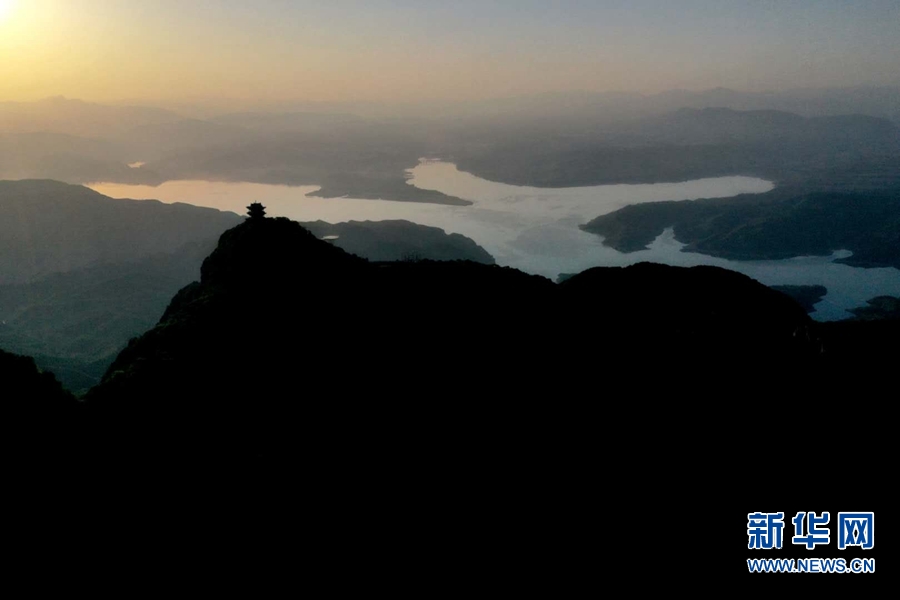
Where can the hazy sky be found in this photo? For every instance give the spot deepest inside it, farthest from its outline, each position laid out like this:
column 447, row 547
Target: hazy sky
column 384, row 50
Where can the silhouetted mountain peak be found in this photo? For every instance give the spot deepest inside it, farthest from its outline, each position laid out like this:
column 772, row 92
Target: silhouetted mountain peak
column 269, row 249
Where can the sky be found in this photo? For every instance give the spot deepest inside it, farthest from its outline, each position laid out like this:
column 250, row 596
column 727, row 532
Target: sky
column 448, row 50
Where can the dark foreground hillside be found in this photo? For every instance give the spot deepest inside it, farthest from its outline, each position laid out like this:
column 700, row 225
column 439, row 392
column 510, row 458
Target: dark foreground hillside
column 436, row 417
column 279, row 312
column 26, row 389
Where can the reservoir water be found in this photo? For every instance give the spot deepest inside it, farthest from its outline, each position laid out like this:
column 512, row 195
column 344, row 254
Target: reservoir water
column 536, row 229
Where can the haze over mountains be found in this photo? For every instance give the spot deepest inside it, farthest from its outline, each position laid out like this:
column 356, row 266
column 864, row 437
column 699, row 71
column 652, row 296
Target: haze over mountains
column 545, row 141
column 875, row 101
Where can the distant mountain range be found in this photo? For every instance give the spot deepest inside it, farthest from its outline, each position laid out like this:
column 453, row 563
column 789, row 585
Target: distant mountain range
column 600, row 107
column 689, row 127
column 549, row 140
column 876, row 101
column 850, row 152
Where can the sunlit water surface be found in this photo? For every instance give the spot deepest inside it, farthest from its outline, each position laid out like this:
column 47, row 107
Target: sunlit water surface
column 536, row 229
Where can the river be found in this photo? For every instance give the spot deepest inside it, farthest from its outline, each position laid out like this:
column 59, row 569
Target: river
column 536, row 229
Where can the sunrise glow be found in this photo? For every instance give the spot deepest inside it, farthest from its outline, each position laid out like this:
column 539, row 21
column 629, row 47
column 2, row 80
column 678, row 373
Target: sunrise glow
column 6, row 8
